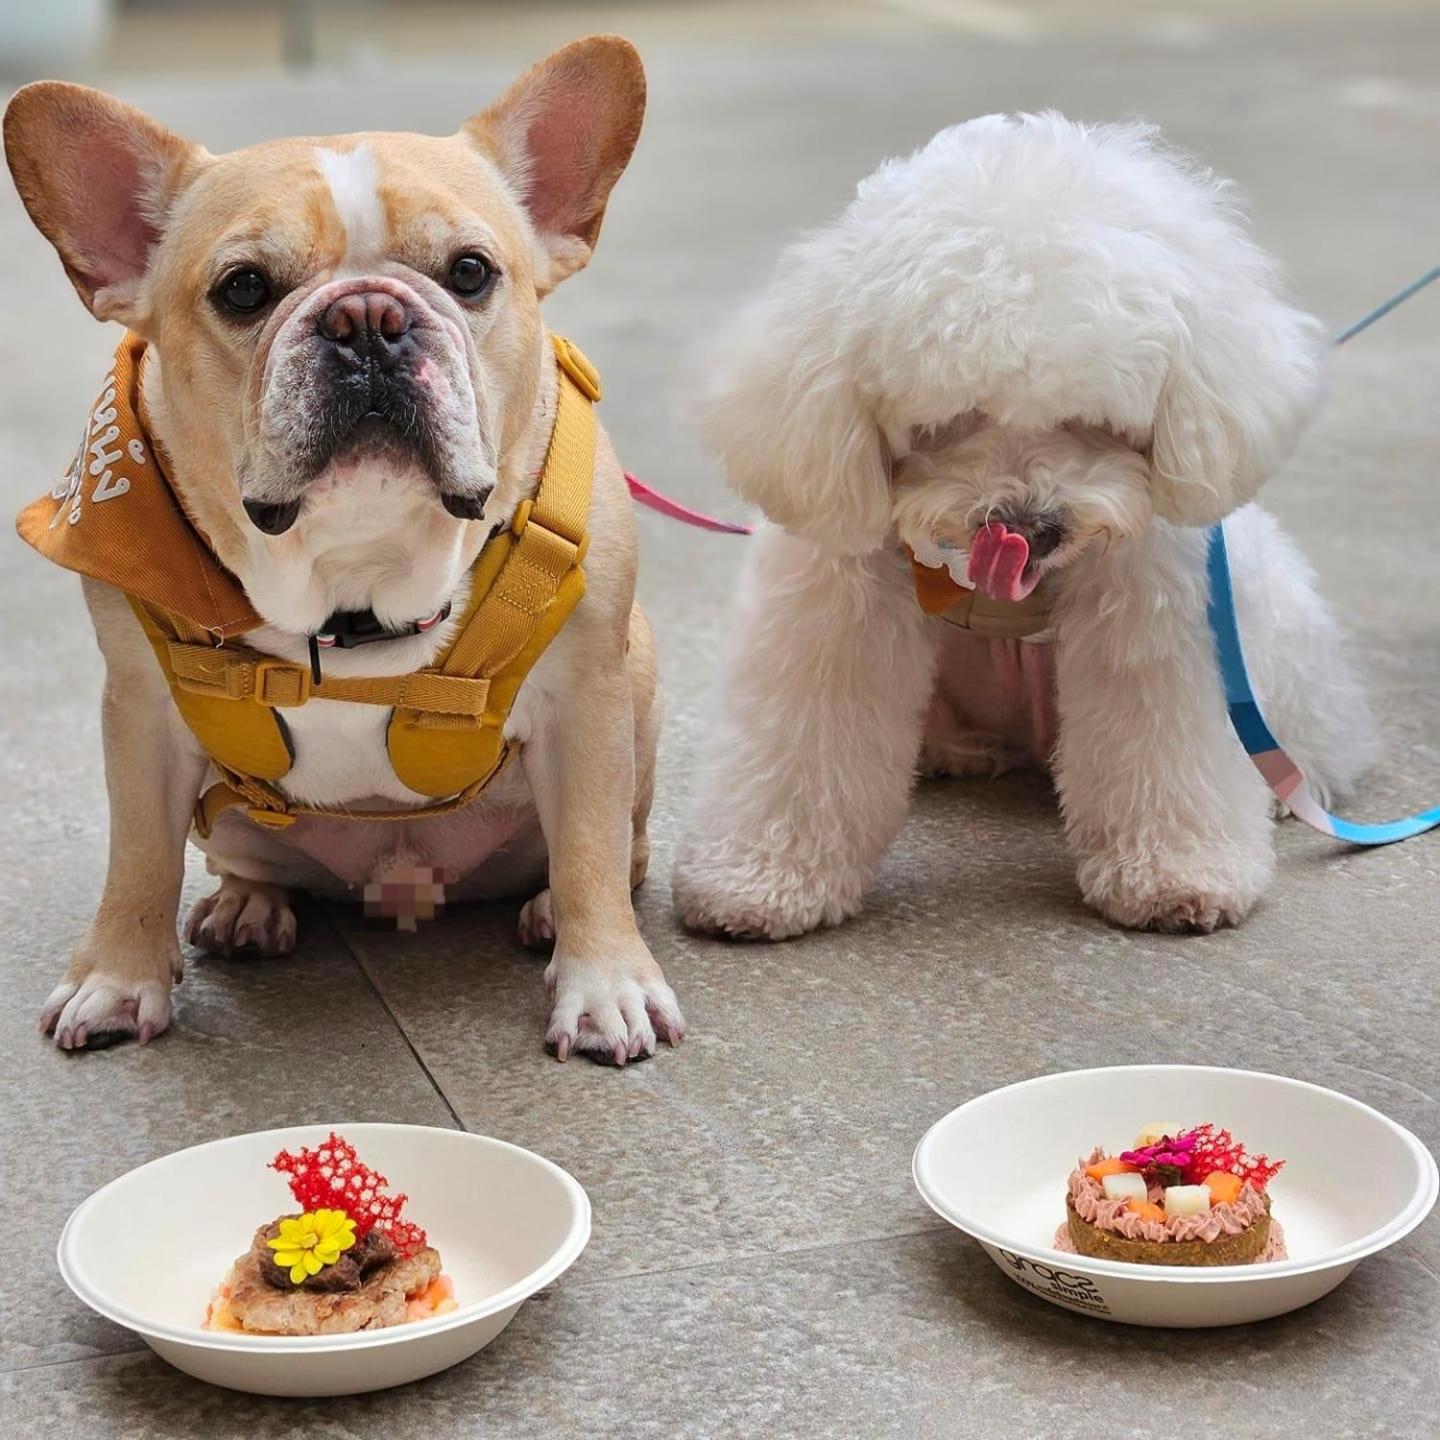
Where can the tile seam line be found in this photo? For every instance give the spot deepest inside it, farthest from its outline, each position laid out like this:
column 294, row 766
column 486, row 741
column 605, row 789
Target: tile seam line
column 400, row 1029
column 74, row 1360
column 939, row 1227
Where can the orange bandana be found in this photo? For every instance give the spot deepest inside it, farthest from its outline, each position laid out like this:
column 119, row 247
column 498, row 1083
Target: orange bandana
column 938, row 593
column 114, row 517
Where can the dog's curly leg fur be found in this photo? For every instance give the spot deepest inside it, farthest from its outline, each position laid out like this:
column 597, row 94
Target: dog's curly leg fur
column 1166, row 815
column 795, row 811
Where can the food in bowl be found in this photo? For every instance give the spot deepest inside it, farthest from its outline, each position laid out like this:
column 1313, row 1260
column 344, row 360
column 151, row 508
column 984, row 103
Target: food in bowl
column 1177, row 1197
column 348, row 1261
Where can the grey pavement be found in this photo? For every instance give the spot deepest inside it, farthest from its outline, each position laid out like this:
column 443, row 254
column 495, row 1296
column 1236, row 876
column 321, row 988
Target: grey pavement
column 760, row 1262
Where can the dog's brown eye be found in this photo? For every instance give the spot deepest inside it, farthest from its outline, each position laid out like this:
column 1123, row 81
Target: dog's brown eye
column 244, row 291
column 471, row 275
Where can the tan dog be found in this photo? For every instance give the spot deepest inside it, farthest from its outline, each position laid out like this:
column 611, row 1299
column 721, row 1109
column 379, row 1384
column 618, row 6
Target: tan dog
column 280, row 290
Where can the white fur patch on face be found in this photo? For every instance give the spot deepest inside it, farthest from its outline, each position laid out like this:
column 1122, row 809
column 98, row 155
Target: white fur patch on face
column 354, row 187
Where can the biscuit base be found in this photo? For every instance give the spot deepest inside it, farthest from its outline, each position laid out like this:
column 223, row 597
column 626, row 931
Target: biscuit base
column 1242, row 1249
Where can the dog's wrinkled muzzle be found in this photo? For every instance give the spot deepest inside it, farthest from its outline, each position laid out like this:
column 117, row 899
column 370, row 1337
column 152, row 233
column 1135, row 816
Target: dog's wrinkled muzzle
column 365, row 370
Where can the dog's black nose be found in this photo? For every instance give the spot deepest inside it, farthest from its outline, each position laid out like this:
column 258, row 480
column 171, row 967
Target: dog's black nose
column 366, row 325
column 1043, row 533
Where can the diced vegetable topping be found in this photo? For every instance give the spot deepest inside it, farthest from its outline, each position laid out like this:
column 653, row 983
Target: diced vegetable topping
column 1186, row 1199
column 1223, row 1186
column 1147, row 1211
column 1110, row 1166
column 1153, row 1134
column 1124, row 1187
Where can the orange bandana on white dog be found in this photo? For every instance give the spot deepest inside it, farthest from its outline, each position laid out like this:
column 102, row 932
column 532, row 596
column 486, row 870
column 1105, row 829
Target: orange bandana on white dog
column 937, row 592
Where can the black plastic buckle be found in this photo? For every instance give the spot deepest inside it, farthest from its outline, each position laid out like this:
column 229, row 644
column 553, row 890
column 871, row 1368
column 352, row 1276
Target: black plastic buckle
column 346, row 629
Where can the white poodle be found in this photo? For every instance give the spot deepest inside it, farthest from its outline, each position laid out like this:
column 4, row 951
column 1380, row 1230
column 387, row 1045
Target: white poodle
column 1053, row 349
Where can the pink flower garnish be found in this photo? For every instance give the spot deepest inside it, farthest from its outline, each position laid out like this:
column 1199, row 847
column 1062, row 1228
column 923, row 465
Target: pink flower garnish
column 1174, row 1151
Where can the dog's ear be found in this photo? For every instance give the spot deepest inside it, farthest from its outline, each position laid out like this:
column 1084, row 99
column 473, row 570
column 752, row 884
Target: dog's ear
column 562, row 134
column 98, row 178
column 785, row 412
column 1244, row 373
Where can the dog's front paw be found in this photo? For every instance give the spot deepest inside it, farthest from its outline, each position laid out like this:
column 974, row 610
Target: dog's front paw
column 104, row 1009
column 1205, row 893
column 761, row 897
column 957, row 751
column 610, row 1009
column 240, row 915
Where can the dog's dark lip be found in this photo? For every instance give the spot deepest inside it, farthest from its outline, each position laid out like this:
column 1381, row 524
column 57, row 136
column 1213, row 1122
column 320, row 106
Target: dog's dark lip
column 272, row 518
column 464, row 507
column 374, row 432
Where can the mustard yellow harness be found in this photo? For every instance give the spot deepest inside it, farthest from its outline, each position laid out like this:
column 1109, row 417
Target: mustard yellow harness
column 114, row 517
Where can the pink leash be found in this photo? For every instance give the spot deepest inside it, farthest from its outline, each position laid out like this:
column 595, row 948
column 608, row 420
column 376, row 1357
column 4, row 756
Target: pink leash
column 654, row 500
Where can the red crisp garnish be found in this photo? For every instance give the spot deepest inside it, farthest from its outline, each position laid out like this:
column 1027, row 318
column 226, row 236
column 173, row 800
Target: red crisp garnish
column 331, row 1176
column 1219, row 1150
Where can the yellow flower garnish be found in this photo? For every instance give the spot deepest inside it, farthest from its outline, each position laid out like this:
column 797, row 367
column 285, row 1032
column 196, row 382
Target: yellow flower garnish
column 309, row 1242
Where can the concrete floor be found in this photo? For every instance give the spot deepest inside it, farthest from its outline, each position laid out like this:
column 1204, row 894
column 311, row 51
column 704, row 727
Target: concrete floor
column 760, row 1261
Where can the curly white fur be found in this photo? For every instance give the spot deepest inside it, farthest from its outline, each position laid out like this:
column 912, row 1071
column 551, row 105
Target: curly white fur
column 1065, row 327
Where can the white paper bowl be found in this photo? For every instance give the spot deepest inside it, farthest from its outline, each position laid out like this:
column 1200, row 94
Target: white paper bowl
column 148, row 1249
column 1353, row 1183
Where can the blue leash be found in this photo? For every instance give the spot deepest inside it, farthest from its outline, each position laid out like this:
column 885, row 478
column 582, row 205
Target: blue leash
column 1281, row 773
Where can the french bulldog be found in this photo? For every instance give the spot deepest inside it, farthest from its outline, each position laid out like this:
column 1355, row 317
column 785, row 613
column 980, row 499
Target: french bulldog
column 263, row 283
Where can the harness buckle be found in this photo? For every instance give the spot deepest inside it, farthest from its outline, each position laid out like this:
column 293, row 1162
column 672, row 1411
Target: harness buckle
column 545, row 551
column 577, row 367
column 280, row 684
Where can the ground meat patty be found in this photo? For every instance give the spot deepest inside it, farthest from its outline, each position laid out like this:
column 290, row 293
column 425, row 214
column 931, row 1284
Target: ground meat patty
column 365, row 1255
column 379, row 1301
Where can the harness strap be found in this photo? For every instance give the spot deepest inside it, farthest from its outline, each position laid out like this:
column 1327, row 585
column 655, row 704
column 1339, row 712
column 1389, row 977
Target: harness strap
column 275, row 812
column 550, row 538
column 237, row 675
column 445, row 736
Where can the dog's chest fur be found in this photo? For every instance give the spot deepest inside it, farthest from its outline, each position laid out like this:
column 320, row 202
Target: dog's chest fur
column 1004, row 688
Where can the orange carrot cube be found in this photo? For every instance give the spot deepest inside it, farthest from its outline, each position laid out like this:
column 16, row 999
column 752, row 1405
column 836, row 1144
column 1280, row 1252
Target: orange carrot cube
column 1223, row 1186
column 1113, row 1166
column 1147, row 1210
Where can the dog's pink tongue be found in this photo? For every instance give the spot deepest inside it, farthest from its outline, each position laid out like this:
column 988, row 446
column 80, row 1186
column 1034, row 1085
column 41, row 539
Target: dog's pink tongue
column 997, row 563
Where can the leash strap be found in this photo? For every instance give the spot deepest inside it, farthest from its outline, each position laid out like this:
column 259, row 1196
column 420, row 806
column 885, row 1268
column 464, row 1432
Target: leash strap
column 642, row 494
column 1281, row 773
